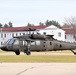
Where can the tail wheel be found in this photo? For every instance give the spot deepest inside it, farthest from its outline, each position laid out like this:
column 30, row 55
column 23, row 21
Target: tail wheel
column 17, row 52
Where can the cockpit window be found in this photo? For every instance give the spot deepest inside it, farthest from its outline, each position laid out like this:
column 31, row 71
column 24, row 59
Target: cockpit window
column 10, row 41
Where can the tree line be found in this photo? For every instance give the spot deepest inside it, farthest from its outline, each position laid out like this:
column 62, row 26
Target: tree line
column 68, row 23
column 6, row 25
column 47, row 23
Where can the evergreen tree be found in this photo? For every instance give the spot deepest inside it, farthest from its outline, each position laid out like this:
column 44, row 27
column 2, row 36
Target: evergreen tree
column 10, row 24
column 6, row 26
column 52, row 22
column 1, row 25
column 41, row 24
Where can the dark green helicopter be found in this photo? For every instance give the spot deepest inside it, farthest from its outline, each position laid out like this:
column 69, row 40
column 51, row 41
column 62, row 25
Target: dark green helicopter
column 36, row 42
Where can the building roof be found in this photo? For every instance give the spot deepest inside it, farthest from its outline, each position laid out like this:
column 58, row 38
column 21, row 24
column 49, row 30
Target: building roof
column 25, row 28
column 70, row 31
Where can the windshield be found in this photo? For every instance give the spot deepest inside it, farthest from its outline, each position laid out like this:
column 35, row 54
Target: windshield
column 10, row 41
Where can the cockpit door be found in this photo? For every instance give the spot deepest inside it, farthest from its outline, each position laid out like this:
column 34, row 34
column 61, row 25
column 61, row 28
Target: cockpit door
column 9, row 44
column 16, row 44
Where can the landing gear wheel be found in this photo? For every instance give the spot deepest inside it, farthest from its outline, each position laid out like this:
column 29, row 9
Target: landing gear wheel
column 17, row 52
column 28, row 52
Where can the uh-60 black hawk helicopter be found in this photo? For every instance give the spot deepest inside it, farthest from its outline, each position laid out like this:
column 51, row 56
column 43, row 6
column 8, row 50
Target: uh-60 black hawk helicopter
column 36, row 42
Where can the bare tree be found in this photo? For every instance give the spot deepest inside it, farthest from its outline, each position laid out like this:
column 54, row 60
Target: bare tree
column 70, row 22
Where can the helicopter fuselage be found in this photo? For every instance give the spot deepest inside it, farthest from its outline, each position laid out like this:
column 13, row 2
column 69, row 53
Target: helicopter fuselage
column 18, row 45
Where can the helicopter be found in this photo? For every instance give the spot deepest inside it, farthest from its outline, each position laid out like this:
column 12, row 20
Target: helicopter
column 36, row 42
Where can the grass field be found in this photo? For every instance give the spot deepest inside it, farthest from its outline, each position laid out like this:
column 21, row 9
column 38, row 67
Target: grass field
column 38, row 58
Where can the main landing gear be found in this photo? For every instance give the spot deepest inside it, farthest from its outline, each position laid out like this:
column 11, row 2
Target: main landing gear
column 17, row 52
column 28, row 52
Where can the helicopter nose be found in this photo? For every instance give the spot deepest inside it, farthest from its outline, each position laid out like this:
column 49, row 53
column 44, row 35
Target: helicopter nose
column 3, row 48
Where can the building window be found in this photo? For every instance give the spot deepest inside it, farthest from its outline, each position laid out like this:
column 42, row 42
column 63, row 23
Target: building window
column 1, row 35
column 23, row 33
column 20, row 33
column 16, row 34
column 74, row 36
column 59, row 34
column 13, row 35
column 5, row 35
column 1, row 43
column 65, row 37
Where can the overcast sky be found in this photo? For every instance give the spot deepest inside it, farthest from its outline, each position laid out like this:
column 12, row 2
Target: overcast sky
column 20, row 12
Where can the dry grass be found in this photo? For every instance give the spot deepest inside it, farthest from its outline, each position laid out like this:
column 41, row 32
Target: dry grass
column 59, row 56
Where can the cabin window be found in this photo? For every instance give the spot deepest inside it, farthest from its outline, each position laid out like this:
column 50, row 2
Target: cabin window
column 33, row 43
column 60, row 46
column 16, row 42
column 44, row 42
column 43, row 45
column 50, row 43
column 59, row 34
column 37, row 42
column 23, row 42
